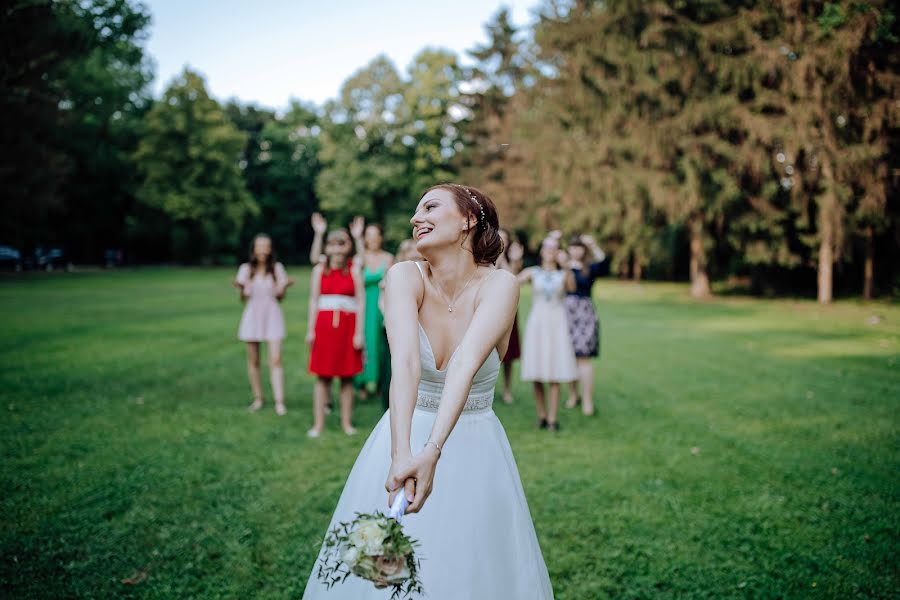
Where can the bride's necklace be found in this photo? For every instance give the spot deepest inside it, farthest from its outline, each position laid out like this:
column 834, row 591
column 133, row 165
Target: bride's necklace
column 450, row 303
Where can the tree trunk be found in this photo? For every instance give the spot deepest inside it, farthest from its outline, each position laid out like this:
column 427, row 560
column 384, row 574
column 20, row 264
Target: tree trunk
column 826, row 264
column 638, row 270
column 699, row 277
column 826, row 239
column 869, row 264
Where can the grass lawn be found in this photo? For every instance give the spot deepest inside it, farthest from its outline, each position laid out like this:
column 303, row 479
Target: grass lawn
column 743, row 448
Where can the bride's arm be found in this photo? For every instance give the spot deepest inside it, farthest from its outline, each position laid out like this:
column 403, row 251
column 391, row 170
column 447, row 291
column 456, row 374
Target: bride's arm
column 402, row 290
column 491, row 322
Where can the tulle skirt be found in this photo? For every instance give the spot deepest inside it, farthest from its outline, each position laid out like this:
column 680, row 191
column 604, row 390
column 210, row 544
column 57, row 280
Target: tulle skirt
column 477, row 540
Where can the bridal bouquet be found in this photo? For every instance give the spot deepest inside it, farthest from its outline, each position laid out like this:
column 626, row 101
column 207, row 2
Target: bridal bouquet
column 374, row 547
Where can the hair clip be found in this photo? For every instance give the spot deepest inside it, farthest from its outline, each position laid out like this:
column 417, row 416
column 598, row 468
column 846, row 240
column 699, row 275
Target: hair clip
column 475, row 200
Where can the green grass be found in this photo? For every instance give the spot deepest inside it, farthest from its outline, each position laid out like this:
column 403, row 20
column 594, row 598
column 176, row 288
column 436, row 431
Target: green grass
column 128, row 455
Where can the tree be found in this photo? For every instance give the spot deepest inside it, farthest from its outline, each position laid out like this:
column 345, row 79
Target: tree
column 832, row 109
column 188, row 157
column 73, row 90
column 362, row 151
column 288, row 156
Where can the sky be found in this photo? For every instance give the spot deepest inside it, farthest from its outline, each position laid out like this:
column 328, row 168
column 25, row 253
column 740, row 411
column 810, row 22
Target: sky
column 270, row 51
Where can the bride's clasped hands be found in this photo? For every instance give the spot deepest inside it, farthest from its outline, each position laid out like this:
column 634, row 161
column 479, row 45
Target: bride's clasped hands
column 413, row 474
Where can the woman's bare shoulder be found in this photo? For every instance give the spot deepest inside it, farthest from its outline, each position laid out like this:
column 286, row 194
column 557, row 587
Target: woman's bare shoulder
column 501, row 281
column 404, row 275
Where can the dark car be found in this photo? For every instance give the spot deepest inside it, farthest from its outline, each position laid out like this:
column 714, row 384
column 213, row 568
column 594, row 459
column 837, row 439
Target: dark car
column 10, row 258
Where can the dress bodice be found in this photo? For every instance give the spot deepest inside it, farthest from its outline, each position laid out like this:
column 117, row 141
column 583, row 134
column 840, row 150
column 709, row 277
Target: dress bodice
column 585, row 281
column 337, row 282
column 261, row 284
column 431, row 384
column 548, row 286
column 373, row 278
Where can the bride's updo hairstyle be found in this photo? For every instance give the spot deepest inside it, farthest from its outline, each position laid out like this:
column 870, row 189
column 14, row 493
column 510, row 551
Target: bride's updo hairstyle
column 475, row 204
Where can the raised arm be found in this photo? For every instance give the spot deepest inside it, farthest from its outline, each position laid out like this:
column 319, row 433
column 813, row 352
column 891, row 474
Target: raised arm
column 403, row 291
column 357, row 228
column 320, row 226
column 490, row 325
column 591, row 244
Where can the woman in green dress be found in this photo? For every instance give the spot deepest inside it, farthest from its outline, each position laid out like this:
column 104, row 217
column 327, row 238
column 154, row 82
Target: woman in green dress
column 376, row 262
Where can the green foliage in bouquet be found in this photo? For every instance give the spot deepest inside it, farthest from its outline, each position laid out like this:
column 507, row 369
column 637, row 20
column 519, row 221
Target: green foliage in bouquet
column 374, row 547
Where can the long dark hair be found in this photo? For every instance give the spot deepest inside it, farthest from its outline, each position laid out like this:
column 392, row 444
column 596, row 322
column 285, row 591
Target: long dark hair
column 270, row 259
column 472, row 202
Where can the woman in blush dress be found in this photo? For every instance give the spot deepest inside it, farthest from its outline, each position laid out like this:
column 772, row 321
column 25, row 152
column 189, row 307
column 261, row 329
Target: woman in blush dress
column 262, row 283
column 449, row 321
column 547, row 353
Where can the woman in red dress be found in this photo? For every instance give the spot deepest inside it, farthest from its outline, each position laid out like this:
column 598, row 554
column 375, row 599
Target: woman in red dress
column 335, row 333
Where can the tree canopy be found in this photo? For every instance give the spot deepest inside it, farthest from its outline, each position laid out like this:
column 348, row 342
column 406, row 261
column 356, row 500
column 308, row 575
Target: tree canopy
column 736, row 140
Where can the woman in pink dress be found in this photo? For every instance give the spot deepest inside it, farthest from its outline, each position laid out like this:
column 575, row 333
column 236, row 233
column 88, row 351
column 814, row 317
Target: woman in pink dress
column 262, row 283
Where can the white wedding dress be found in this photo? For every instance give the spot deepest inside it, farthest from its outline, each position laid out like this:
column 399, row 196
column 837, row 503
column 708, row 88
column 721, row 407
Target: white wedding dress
column 477, row 540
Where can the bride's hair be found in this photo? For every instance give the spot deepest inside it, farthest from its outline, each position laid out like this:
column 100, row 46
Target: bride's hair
column 472, row 202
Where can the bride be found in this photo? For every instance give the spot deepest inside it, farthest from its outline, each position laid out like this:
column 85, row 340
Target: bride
column 448, row 322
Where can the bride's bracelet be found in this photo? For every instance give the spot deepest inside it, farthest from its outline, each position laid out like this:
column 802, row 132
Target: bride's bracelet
column 438, row 448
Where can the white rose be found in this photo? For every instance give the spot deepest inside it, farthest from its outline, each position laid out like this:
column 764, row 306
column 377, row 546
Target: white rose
column 369, row 537
column 351, row 556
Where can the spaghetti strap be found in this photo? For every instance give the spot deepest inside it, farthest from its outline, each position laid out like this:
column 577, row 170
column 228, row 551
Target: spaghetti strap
column 421, row 272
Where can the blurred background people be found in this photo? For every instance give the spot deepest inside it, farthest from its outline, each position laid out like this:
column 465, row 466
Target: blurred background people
column 587, row 263
column 547, row 354
column 375, row 263
column 262, row 283
column 511, row 260
column 335, row 328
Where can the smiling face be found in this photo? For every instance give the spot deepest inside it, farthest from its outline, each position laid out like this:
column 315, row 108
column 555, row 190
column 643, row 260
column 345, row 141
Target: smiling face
column 437, row 221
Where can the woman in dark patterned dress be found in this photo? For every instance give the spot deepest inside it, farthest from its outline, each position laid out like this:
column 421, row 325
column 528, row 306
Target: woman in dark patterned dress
column 587, row 262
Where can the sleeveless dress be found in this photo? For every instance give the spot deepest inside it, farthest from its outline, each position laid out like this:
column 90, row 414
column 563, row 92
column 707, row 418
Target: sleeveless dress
column 477, row 540
column 332, row 353
column 262, row 319
column 373, row 329
column 514, row 351
column 547, row 352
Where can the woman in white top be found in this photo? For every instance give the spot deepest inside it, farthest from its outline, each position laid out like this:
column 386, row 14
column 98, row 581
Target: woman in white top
column 547, row 352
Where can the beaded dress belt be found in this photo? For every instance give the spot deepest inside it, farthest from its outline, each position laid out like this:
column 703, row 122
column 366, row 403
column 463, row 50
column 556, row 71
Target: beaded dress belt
column 474, row 403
